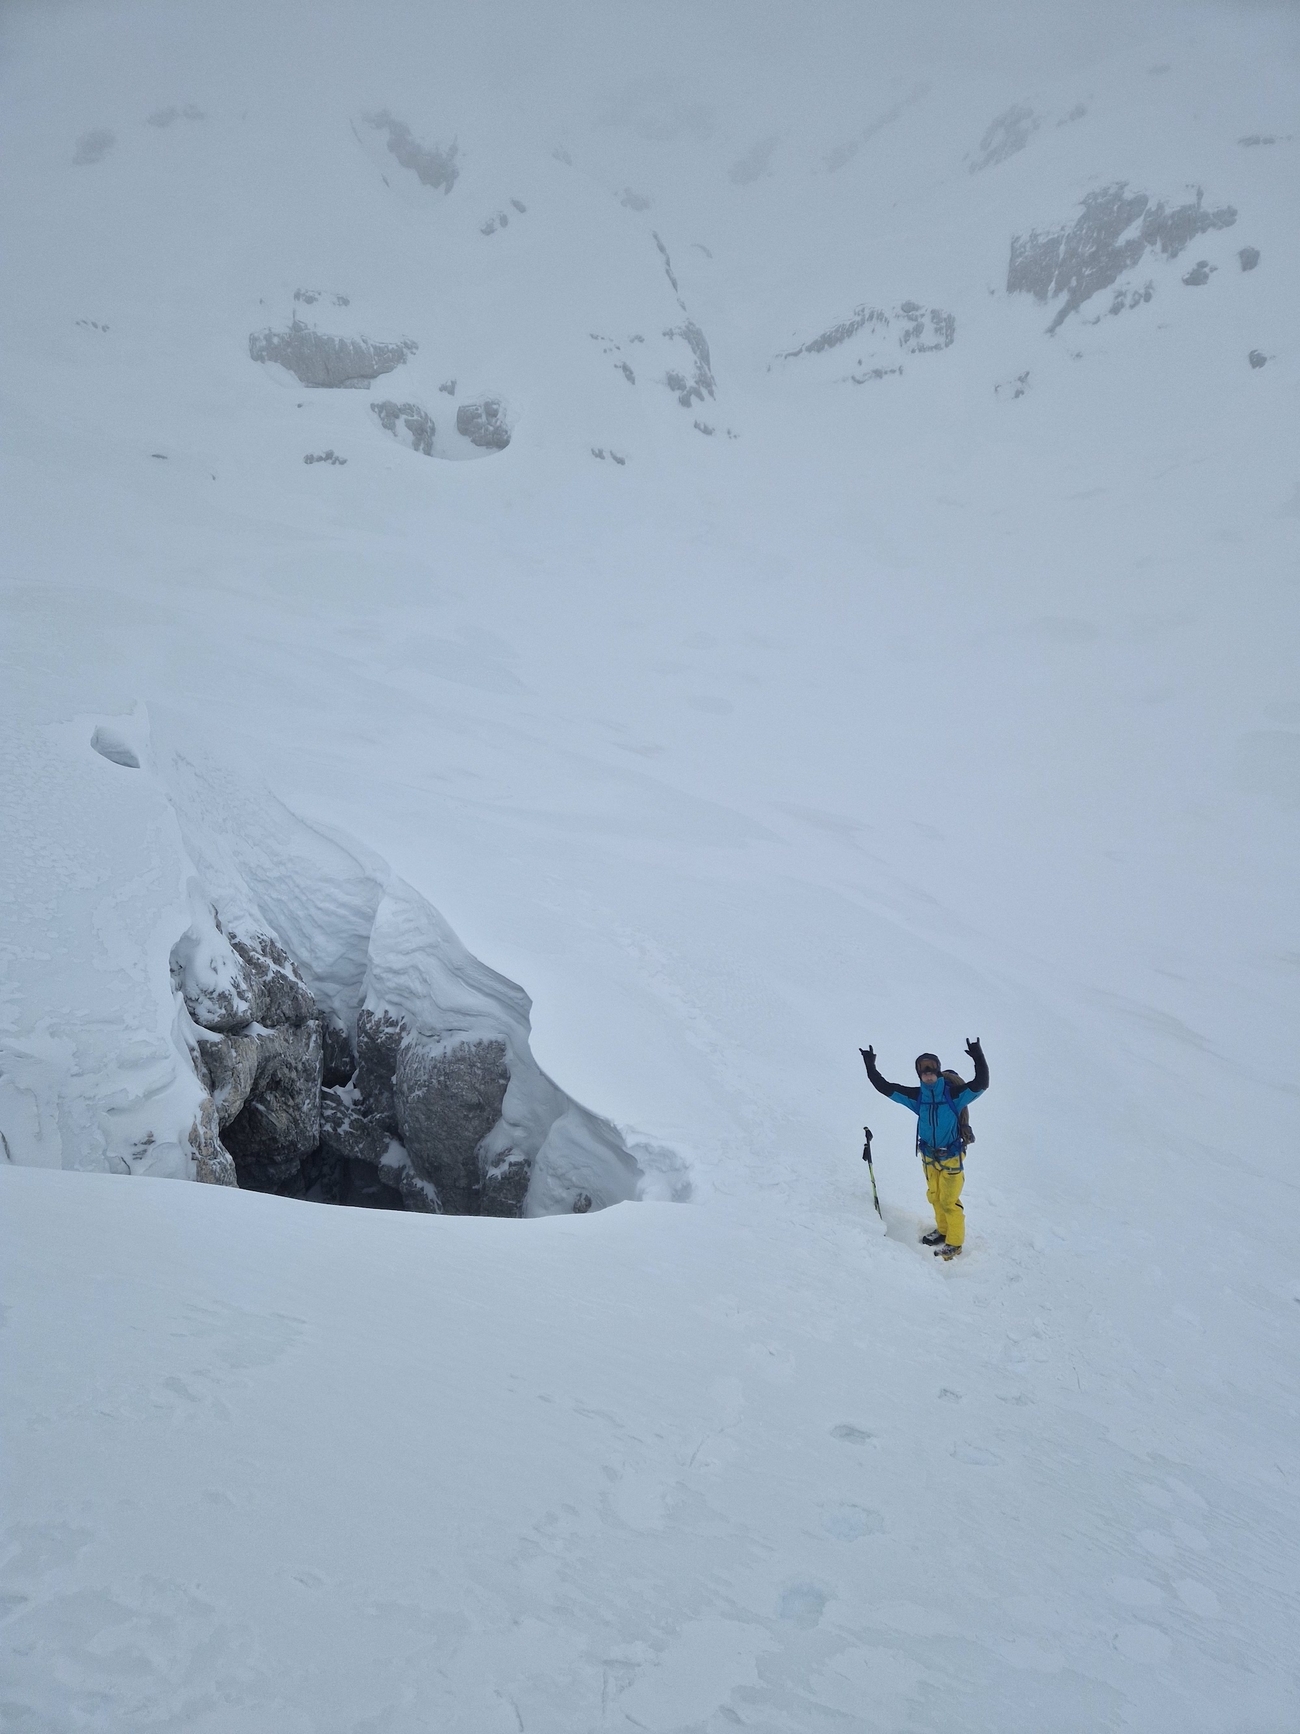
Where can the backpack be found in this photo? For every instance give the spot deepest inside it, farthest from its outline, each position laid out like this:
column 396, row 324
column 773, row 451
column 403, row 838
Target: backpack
column 956, row 1084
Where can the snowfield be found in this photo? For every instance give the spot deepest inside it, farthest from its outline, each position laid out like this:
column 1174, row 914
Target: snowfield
column 678, row 541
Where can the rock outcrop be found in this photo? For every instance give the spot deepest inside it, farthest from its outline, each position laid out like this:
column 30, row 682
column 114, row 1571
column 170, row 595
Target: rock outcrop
column 1113, row 232
column 279, row 1124
column 431, row 165
column 484, row 424
column 701, row 383
column 408, row 423
column 324, row 362
column 448, row 1098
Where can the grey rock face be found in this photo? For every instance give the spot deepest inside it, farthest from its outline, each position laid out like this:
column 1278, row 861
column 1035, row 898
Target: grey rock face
column 277, row 993
column 1248, row 258
column 505, row 1185
column 339, row 1060
column 1113, row 231
column 231, row 1066
column 418, row 1194
column 280, row 1123
column 379, row 1040
column 1257, row 358
column 347, row 1133
column 213, row 1164
column 408, row 423
column 1009, row 133
column 431, row 166
column 448, row 1099
column 701, row 383
column 483, row 424
column 1199, row 275
column 321, row 361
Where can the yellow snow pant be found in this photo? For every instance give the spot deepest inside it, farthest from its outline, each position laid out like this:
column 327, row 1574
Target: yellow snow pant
column 944, row 1179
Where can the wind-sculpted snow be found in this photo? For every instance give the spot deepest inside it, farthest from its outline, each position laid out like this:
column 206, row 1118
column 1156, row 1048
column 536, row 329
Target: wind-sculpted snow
column 321, row 361
column 312, row 1017
column 432, row 166
column 1114, row 232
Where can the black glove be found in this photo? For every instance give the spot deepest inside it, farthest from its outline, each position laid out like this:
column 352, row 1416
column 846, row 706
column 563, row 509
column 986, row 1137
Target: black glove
column 869, row 1055
column 973, row 1047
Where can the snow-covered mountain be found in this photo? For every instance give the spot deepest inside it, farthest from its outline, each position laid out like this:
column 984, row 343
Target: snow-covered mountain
column 648, row 547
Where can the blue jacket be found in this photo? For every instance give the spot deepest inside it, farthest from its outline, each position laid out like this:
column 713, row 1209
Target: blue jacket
column 936, row 1106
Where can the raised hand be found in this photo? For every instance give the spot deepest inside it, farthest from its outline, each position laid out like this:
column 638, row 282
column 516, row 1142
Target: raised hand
column 973, row 1047
column 869, row 1055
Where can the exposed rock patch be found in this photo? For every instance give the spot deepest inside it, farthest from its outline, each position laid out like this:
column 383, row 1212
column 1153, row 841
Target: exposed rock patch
column 700, row 383
column 229, row 1066
column 432, row 166
column 1248, row 258
column 279, row 1125
column 1113, row 232
column 324, row 362
column 876, row 333
column 668, row 264
column 919, row 330
column 408, row 423
column 447, row 1099
column 484, row 424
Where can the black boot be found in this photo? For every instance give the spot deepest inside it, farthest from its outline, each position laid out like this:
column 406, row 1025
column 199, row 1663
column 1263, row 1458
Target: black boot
column 934, row 1238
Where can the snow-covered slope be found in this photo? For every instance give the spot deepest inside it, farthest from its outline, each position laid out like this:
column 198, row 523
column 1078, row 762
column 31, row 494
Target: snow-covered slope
column 879, row 624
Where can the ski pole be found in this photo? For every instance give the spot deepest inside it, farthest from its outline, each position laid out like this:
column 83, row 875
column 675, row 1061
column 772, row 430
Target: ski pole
column 871, row 1170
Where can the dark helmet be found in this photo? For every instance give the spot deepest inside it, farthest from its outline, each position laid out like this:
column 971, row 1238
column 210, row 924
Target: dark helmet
column 933, row 1060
